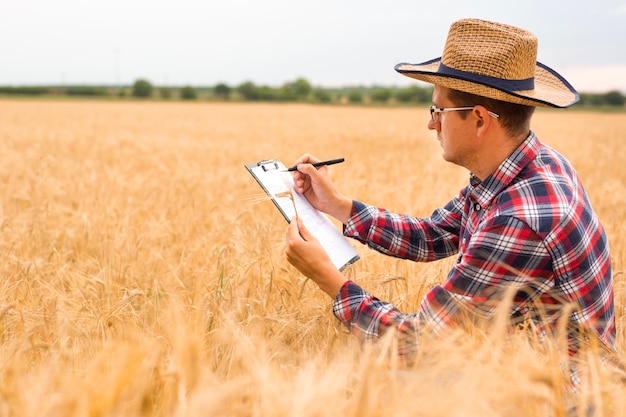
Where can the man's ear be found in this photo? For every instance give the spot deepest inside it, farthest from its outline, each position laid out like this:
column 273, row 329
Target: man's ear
column 483, row 120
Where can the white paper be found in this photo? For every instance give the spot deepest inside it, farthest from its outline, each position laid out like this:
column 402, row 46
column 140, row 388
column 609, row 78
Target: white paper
column 277, row 182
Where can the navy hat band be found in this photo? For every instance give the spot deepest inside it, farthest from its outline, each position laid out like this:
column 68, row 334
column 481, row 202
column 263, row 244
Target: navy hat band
column 500, row 84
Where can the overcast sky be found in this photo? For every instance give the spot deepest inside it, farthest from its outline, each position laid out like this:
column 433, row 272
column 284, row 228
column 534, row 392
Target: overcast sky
column 270, row 42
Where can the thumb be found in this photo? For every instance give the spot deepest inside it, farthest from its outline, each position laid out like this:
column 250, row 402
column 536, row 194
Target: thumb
column 293, row 232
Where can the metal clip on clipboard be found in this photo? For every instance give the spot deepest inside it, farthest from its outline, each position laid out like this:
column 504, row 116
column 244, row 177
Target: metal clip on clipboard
column 268, row 165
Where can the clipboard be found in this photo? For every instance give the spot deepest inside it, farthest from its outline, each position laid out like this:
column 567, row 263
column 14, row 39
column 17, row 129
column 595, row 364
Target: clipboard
column 271, row 175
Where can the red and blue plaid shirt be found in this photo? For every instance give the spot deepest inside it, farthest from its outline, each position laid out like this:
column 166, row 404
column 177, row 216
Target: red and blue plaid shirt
column 529, row 226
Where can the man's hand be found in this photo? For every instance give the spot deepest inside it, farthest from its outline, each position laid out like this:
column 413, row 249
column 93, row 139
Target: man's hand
column 304, row 252
column 316, row 186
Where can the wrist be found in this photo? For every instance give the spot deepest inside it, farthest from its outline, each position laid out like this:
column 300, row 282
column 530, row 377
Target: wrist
column 332, row 283
column 342, row 210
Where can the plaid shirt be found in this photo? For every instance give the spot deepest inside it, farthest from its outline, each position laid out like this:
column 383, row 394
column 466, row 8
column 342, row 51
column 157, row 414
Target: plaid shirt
column 529, row 226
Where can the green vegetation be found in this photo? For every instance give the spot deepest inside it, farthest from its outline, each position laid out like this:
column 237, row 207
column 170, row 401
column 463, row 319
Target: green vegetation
column 222, row 91
column 612, row 98
column 188, row 93
column 85, row 90
column 299, row 90
column 142, row 88
column 165, row 92
column 25, row 91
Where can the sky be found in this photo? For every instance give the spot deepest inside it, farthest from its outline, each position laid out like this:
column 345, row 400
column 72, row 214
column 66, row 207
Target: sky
column 331, row 43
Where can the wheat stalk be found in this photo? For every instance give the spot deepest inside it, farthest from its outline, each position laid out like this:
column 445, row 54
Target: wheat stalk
column 289, row 195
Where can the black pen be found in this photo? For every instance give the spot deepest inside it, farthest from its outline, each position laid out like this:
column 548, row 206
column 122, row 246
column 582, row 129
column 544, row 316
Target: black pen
column 319, row 164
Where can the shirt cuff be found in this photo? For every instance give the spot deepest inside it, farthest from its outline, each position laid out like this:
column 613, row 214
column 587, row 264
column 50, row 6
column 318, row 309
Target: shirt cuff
column 359, row 222
column 347, row 301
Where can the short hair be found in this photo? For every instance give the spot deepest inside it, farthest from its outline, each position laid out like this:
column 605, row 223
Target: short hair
column 515, row 118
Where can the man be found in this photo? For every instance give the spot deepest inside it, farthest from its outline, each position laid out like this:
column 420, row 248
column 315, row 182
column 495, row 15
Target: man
column 523, row 226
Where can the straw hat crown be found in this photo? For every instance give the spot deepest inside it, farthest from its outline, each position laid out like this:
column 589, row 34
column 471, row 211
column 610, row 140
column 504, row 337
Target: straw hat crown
column 497, row 61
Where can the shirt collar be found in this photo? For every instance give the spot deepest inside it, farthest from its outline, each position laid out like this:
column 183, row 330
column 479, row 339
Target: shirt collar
column 483, row 192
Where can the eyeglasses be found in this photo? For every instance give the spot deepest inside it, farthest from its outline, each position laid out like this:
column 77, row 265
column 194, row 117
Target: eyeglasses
column 435, row 110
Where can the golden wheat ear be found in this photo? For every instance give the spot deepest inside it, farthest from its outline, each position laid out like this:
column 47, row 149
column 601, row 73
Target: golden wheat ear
column 288, row 194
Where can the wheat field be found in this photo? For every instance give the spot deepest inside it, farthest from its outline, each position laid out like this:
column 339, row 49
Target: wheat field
column 143, row 271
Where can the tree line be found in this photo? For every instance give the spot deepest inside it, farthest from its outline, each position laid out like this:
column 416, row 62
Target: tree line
column 299, row 90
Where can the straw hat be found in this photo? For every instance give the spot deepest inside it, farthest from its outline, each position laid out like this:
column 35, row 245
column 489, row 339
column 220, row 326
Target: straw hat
column 494, row 60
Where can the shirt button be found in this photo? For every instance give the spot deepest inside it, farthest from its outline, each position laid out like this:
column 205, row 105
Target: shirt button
column 477, row 207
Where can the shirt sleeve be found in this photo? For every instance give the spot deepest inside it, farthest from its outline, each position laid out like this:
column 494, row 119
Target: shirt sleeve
column 503, row 260
column 402, row 236
column 503, row 253
column 368, row 318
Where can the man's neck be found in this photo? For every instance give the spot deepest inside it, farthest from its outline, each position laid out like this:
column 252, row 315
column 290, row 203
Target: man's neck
column 493, row 155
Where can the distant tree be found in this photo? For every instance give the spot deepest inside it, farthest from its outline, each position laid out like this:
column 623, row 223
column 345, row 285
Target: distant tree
column 407, row 95
column 587, row 99
column 188, row 93
column 142, row 88
column 165, row 92
column 85, row 90
column 590, row 99
column 28, row 91
column 248, row 91
column 424, row 94
column 322, row 96
column 222, row 91
column 381, row 95
column 267, row 93
column 614, row 98
column 355, row 96
column 414, row 94
column 299, row 89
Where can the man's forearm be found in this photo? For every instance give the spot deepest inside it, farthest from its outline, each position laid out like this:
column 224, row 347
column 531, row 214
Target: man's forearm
column 342, row 210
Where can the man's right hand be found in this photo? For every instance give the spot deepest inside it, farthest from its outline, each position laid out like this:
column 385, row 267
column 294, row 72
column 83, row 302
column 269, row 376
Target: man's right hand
column 317, row 187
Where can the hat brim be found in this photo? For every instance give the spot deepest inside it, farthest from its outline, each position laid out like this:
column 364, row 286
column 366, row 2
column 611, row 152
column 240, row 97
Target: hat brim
column 550, row 89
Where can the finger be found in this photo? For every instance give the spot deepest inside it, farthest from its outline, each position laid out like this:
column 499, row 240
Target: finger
column 309, row 170
column 304, row 175
column 298, row 185
column 304, row 232
column 293, row 232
